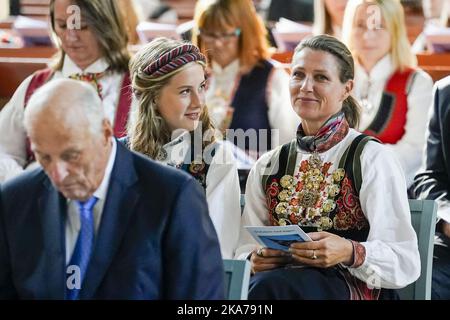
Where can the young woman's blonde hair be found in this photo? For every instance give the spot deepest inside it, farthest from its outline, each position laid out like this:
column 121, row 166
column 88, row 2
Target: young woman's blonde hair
column 216, row 15
column 148, row 132
column 394, row 17
column 105, row 20
column 322, row 19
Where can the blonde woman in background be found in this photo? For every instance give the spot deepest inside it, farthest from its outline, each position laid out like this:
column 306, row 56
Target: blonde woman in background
column 328, row 17
column 394, row 94
column 168, row 81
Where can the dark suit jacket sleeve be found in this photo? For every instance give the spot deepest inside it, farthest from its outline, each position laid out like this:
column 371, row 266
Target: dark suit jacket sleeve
column 192, row 258
column 7, row 290
column 433, row 183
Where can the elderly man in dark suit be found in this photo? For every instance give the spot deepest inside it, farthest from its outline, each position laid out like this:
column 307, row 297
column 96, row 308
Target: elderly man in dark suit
column 98, row 221
column 434, row 183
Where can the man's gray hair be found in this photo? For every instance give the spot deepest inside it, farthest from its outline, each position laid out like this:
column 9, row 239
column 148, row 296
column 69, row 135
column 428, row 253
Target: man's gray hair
column 62, row 97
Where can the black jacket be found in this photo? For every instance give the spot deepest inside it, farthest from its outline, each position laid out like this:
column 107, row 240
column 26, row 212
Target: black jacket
column 434, row 182
column 297, row 10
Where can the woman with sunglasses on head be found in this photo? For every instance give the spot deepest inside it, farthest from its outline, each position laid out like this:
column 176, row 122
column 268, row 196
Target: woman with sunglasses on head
column 246, row 89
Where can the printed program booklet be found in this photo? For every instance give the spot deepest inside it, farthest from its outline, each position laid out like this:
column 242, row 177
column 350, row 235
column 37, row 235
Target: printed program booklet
column 278, row 237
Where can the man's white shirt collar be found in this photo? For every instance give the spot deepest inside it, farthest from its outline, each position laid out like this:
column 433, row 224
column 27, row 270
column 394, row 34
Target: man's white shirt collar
column 102, row 190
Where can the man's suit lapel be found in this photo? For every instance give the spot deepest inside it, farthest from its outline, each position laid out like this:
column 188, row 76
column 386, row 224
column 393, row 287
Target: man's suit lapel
column 51, row 209
column 445, row 125
column 120, row 202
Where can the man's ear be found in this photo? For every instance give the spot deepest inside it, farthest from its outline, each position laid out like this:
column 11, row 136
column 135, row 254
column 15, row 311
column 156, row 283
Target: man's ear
column 107, row 129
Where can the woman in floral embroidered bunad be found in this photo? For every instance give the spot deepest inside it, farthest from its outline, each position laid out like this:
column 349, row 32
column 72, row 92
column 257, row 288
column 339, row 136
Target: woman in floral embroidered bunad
column 169, row 123
column 347, row 191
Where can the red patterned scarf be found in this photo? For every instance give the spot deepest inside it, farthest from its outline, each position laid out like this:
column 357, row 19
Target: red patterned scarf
column 332, row 131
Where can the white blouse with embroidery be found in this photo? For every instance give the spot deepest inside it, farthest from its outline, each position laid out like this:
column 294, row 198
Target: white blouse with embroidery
column 368, row 90
column 12, row 132
column 222, row 188
column 223, row 84
column 392, row 257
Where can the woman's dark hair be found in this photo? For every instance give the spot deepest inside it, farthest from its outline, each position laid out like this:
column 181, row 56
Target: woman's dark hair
column 346, row 67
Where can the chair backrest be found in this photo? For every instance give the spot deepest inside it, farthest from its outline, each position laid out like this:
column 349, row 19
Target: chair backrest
column 423, row 219
column 237, row 277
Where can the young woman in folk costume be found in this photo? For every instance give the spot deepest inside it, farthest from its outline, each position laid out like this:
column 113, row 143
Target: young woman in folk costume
column 347, row 191
column 170, row 124
column 94, row 51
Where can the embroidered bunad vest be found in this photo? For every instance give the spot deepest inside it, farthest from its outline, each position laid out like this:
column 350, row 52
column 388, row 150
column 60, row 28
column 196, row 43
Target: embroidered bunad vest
column 197, row 167
column 318, row 199
column 120, row 122
column 389, row 123
column 194, row 161
column 250, row 105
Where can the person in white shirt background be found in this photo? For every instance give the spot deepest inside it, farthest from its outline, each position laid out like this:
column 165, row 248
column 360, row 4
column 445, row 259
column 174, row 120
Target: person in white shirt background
column 328, row 17
column 170, row 123
column 246, row 90
column 363, row 239
column 4, row 9
column 95, row 51
column 436, row 14
column 394, row 94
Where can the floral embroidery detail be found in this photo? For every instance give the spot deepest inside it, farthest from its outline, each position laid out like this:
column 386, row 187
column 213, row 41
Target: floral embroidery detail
column 359, row 254
column 315, row 197
column 349, row 213
column 92, row 79
column 198, row 170
column 308, row 198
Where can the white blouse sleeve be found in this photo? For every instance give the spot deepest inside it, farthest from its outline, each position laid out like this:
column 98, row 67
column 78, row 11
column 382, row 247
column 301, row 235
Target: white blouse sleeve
column 255, row 211
column 223, row 196
column 392, row 256
column 13, row 135
column 281, row 115
column 410, row 147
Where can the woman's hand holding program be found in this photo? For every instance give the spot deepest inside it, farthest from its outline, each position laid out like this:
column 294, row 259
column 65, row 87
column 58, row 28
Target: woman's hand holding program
column 326, row 250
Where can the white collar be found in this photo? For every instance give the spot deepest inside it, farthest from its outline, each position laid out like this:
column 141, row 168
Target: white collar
column 69, row 67
column 177, row 148
column 232, row 68
column 102, row 190
column 381, row 71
